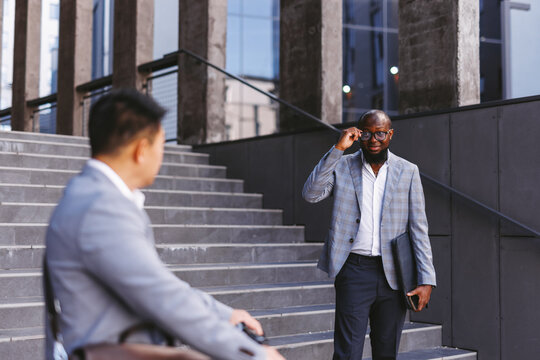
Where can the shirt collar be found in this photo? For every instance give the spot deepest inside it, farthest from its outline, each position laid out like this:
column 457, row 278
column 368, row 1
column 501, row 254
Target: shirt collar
column 136, row 196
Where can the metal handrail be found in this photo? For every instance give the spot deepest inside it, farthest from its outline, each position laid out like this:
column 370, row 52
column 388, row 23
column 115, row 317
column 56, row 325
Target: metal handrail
column 171, row 59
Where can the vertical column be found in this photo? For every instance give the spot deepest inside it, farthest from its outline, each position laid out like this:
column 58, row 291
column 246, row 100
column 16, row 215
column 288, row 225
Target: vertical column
column 310, row 64
column 26, row 56
column 133, row 41
column 74, row 63
column 439, row 54
column 201, row 90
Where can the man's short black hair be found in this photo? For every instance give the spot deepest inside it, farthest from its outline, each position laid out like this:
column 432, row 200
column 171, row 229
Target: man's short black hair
column 121, row 116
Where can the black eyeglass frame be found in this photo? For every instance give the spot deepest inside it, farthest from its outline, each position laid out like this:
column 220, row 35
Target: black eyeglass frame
column 377, row 134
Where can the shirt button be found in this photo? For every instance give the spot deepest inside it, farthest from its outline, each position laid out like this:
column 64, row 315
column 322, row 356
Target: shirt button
column 358, row 221
column 351, row 240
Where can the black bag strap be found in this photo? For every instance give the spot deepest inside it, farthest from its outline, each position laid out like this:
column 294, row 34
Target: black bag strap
column 52, row 311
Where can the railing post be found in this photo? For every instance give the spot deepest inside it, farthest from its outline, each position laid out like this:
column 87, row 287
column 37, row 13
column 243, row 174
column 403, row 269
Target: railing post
column 74, row 63
column 310, row 60
column 201, row 90
column 26, row 59
column 133, row 41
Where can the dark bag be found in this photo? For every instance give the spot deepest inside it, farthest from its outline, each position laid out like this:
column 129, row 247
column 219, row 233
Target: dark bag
column 120, row 351
column 134, row 352
column 405, row 264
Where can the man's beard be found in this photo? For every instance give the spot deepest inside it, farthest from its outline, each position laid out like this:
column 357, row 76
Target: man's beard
column 379, row 158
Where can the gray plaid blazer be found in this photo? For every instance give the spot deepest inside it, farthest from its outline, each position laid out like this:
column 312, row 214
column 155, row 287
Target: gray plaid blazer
column 403, row 209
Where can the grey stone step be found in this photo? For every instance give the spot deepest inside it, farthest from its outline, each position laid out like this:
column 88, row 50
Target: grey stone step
column 29, row 311
column 296, row 319
column 67, row 139
column 26, row 283
column 418, row 341
column 270, row 296
column 75, row 163
column 23, row 135
column 22, row 344
column 52, row 194
column 13, row 175
column 29, row 257
column 41, row 212
column 34, row 234
column 243, row 253
column 173, row 155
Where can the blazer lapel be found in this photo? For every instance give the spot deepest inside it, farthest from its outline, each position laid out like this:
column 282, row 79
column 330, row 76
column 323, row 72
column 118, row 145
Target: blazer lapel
column 355, row 167
column 392, row 178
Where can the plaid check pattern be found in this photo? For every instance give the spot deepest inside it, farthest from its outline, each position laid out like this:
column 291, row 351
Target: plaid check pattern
column 403, row 209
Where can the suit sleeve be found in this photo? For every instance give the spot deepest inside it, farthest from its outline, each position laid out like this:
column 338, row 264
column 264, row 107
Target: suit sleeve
column 115, row 250
column 418, row 227
column 320, row 182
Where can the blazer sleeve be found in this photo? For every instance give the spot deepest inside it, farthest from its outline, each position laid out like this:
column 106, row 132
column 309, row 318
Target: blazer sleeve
column 116, row 251
column 418, row 227
column 320, row 182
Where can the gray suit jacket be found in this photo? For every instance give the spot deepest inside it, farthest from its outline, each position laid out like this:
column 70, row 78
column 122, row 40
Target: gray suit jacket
column 107, row 276
column 403, row 210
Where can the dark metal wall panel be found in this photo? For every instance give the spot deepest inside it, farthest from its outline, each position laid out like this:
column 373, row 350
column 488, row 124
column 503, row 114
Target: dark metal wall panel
column 309, row 148
column 520, row 294
column 519, row 130
column 271, row 164
column 474, row 162
column 437, row 312
column 475, row 282
column 475, row 253
column 425, row 141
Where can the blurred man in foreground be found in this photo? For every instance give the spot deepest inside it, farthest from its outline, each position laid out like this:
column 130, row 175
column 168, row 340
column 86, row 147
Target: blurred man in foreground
column 104, row 269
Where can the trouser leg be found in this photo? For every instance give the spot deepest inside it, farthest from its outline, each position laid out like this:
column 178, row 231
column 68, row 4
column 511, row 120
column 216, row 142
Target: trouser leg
column 386, row 321
column 356, row 287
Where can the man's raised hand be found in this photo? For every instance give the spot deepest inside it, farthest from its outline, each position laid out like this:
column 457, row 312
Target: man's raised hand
column 347, row 138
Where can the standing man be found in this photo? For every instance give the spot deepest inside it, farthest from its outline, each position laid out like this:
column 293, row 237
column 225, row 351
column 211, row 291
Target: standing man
column 104, row 269
column 377, row 197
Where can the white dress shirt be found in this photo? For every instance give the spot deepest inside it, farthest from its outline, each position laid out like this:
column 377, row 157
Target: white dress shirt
column 368, row 239
column 136, row 195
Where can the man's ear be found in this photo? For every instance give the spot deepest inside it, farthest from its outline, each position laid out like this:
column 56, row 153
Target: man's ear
column 140, row 150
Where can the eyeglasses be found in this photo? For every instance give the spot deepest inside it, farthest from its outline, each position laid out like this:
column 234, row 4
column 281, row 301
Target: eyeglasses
column 379, row 135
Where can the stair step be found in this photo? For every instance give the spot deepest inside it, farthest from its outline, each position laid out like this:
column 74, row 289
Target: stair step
column 29, row 311
column 416, row 338
column 271, row 296
column 69, row 139
column 75, row 163
column 34, row 234
column 24, row 135
column 22, row 344
column 52, row 194
column 13, row 175
column 296, row 320
column 16, row 283
column 31, row 256
column 244, row 253
column 171, row 154
column 41, row 213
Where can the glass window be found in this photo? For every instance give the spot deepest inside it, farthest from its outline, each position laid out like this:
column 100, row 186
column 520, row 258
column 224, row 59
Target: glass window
column 234, row 42
column 363, row 12
column 234, row 6
column 490, row 71
column 258, row 48
column 392, row 7
column 262, row 8
column 54, row 12
column 165, row 27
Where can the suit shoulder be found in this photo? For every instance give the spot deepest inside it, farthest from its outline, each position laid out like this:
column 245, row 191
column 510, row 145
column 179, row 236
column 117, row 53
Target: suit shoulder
column 406, row 164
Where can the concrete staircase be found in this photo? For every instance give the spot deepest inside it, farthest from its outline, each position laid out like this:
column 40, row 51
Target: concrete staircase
column 207, row 230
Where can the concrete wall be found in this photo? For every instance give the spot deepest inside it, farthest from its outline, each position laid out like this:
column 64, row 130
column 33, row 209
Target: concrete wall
column 487, row 270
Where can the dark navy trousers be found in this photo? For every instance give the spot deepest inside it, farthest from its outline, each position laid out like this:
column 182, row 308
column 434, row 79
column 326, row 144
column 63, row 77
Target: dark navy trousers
column 363, row 293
